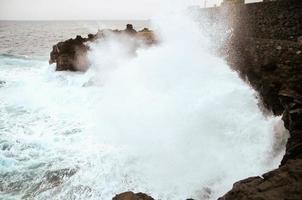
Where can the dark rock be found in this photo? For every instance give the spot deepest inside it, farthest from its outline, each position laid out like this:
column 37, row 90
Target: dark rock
column 145, row 30
column 132, row 196
column 130, row 29
column 280, row 184
column 71, row 55
column 2, row 83
column 271, row 65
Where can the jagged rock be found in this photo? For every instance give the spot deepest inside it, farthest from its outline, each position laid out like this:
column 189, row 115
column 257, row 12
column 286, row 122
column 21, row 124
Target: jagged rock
column 130, row 29
column 280, row 184
column 274, row 69
column 132, row 196
column 71, row 55
column 267, row 70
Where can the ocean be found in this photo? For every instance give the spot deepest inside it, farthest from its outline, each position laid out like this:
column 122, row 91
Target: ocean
column 173, row 120
column 36, row 38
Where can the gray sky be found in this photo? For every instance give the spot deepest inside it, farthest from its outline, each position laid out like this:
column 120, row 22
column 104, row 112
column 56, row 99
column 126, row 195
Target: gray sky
column 85, row 9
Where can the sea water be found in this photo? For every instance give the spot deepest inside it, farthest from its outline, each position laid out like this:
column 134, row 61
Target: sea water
column 173, row 120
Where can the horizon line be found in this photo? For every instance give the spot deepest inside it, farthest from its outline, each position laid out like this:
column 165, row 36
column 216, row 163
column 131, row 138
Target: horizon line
column 75, row 19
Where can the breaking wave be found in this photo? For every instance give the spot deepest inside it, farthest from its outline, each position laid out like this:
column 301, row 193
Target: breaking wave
column 172, row 120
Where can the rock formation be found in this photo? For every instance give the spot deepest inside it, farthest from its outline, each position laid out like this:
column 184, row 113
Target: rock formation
column 71, row 55
column 132, row 196
column 272, row 64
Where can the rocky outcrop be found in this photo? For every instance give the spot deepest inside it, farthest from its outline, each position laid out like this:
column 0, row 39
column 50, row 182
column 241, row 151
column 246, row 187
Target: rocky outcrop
column 132, row 196
column 71, row 55
column 280, row 184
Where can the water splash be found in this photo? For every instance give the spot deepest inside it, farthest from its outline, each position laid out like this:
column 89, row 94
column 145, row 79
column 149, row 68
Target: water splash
column 172, row 120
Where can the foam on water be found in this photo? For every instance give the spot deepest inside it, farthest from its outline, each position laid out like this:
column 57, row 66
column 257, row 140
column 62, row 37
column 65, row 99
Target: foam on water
column 173, row 121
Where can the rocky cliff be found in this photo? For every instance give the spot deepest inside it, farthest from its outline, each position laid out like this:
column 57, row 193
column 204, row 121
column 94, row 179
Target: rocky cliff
column 266, row 50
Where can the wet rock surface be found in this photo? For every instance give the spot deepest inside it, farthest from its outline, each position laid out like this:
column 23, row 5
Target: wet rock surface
column 270, row 66
column 71, row 55
column 280, row 184
column 132, row 196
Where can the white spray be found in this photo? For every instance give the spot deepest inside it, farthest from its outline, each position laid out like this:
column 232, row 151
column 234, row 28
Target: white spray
column 172, row 121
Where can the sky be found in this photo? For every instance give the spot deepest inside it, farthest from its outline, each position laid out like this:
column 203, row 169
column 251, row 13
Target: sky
column 86, row 9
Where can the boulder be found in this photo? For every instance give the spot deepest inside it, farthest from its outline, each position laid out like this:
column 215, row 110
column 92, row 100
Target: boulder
column 132, row 196
column 129, row 29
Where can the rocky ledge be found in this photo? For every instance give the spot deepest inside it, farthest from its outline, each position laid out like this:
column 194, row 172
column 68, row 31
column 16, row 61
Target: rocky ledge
column 71, row 55
column 132, row 196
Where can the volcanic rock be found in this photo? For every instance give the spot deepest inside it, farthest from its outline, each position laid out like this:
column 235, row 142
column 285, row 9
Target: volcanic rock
column 272, row 66
column 71, row 55
column 130, row 29
column 280, row 184
column 132, row 196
